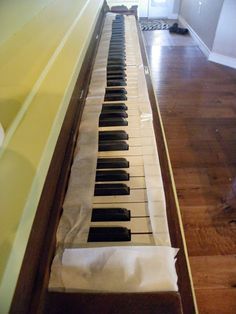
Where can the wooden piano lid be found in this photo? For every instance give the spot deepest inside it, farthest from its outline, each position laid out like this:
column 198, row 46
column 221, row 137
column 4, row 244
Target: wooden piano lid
column 114, row 303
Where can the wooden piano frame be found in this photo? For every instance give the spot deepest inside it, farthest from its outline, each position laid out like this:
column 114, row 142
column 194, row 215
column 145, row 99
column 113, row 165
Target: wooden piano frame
column 31, row 294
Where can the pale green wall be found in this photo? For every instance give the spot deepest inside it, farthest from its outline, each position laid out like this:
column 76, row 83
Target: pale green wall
column 39, row 63
column 15, row 13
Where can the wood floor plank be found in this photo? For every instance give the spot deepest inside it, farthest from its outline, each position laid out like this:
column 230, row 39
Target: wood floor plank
column 217, row 301
column 197, row 103
column 214, row 271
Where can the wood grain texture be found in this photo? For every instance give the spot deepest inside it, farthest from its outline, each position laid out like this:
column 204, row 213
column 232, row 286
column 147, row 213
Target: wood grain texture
column 197, row 103
column 184, row 283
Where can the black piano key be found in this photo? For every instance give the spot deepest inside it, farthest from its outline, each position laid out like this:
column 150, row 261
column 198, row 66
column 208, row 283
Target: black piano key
column 113, row 122
column 120, row 90
column 111, row 175
column 121, row 72
column 118, row 33
column 118, row 38
column 116, row 45
column 109, row 189
column 120, row 60
column 105, row 114
column 113, row 135
column 117, row 48
column 107, row 163
column 109, row 97
column 116, row 77
column 111, row 83
column 116, row 106
column 116, row 62
column 114, row 67
column 105, row 146
column 116, row 58
column 110, row 214
column 109, row 234
column 115, row 53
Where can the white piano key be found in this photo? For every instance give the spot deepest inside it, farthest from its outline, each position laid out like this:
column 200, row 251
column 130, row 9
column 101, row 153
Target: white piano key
column 136, row 239
column 134, row 171
column 157, row 209
column 136, row 225
column 153, row 182
column 133, row 182
column 132, row 151
column 162, row 239
column 144, row 141
column 152, row 170
column 160, row 225
column 132, row 131
column 156, row 194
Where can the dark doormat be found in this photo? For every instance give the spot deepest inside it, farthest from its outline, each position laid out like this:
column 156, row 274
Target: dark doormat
column 153, row 24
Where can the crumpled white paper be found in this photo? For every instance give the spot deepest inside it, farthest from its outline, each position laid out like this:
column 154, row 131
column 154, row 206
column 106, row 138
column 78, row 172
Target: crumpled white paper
column 118, row 269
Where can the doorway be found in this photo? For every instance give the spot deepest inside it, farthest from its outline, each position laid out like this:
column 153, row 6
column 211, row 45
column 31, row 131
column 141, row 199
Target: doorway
column 160, row 8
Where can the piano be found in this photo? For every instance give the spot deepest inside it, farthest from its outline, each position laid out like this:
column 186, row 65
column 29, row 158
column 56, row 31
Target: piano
column 124, row 182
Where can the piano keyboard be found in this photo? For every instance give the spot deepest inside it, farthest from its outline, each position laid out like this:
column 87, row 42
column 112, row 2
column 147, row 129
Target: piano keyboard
column 124, row 204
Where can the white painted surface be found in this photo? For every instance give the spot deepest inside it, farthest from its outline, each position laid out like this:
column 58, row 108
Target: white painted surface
column 168, row 9
column 160, row 8
column 127, row 3
column 222, row 59
column 143, row 8
column 198, row 40
column 225, row 38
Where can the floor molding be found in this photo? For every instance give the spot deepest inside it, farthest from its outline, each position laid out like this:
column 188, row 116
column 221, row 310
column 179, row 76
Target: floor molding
column 222, row 59
column 199, row 41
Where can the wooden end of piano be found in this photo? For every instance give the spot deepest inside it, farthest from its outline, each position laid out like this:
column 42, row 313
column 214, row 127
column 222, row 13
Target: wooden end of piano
column 107, row 303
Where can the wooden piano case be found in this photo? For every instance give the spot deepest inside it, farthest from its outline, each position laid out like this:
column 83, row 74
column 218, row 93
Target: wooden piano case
column 31, row 294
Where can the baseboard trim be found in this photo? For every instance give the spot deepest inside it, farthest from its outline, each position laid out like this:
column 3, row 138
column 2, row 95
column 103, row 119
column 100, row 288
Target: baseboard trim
column 199, row 41
column 222, row 59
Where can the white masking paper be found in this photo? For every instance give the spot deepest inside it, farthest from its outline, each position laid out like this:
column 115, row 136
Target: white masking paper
column 118, row 269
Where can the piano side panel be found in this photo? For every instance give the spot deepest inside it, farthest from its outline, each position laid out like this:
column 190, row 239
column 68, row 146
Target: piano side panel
column 33, row 278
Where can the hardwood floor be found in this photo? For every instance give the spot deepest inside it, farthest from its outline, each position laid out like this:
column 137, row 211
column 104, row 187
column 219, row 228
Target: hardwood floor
column 197, row 99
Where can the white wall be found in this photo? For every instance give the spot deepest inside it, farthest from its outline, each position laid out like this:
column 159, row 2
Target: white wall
column 224, row 46
column 143, row 8
column 127, row 3
column 202, row 17
column 225, row 39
